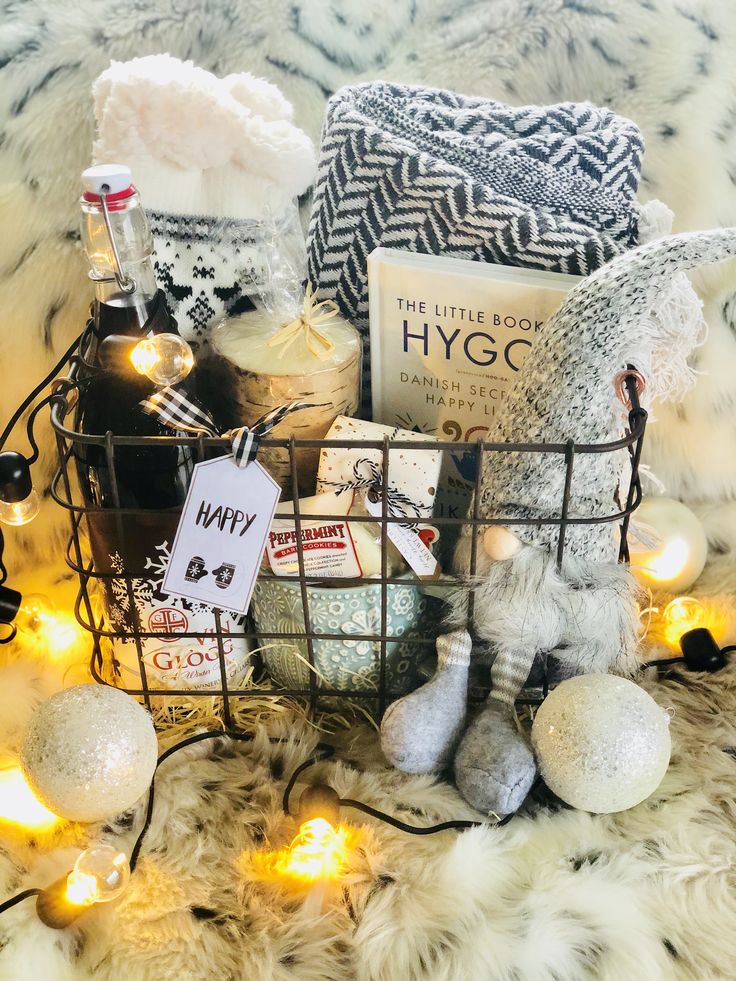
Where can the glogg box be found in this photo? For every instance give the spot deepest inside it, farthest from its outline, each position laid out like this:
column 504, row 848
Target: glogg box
column 413, row 475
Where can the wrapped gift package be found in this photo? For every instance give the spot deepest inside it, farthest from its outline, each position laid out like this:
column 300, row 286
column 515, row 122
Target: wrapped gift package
column 414, row 474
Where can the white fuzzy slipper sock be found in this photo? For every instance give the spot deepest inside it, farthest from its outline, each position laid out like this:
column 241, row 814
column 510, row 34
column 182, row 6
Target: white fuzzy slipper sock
column 211, row 158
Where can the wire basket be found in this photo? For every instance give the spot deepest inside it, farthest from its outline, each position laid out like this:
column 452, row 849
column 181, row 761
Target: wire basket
column 374, row 635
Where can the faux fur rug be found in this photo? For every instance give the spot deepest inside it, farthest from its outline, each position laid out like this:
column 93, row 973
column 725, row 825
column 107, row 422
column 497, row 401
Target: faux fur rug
column 556, row 895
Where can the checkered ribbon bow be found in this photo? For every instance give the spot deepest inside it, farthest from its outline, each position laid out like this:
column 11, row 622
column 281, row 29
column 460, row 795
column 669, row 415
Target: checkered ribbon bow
column 177, row 411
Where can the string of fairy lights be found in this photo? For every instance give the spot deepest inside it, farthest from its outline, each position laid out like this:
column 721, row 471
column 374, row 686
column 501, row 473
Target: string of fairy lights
column 318, row 852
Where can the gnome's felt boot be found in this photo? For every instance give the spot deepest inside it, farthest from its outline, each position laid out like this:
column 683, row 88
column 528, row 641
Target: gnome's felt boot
column 420, row 731
column 494, row 766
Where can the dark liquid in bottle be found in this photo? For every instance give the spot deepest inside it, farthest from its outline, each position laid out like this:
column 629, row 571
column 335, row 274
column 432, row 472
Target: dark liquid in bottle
column 150, row 483
column 131, row 476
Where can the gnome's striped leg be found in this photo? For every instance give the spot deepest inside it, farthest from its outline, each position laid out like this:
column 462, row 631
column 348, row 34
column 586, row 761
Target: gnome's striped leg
column 509, row 672
column 420, row 731
column 494, row 767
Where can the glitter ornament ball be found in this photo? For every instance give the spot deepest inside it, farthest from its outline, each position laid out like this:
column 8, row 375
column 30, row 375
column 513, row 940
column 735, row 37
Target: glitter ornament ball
column 679, row 557
column 602, row 743
column 89, row 752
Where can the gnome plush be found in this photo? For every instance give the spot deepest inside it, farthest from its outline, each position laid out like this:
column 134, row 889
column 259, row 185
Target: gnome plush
column 212, row 158
column 639, row 310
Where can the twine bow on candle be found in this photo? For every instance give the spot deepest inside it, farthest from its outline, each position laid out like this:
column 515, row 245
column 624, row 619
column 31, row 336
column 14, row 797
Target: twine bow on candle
column 305, row 325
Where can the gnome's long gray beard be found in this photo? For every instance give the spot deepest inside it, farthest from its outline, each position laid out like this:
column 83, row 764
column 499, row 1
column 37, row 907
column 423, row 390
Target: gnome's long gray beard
column 586, row 615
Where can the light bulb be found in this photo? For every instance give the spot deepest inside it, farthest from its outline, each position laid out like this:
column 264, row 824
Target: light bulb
column 20, row 806
column 38, row 620
column 35, row 617
column 164, row 358
column 676, row 547
column 669, row 563
column 35, row 613
column 62, row 632
column 681, row 615
column 100, row 875
column 319, row 851
column 18, row 500
column 20, row 512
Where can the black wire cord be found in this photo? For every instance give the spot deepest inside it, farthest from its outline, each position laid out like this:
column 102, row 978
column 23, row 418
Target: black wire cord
column 667, row 662
column 68, row 356
column 325, row 751
column 189, row 741
column 412, row 829
column 382, row 815
column 662, row 662
column 14, row 900
column 27, row 401
column 30, row 398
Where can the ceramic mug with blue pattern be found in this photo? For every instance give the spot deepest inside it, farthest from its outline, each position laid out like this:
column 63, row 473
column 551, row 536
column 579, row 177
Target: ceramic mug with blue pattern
column 350, row 663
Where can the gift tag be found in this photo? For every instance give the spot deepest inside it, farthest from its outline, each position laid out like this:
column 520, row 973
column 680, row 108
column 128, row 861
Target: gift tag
column 222, row 530
column 407, row 541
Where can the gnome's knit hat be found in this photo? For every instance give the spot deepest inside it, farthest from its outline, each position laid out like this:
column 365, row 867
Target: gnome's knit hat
column 211, row 158
column 639, row 309
column 427, row 170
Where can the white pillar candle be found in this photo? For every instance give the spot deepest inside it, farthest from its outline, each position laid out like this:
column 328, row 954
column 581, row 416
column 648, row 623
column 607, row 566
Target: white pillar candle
column 254, row 375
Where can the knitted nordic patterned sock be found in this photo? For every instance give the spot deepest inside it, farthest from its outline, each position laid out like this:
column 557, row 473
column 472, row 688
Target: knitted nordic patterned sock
column 212, row 158
column 206, row 266
column 420, row 731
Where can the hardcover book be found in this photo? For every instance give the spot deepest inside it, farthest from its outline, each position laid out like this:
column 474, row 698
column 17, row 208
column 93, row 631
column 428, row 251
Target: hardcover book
column 447, row 339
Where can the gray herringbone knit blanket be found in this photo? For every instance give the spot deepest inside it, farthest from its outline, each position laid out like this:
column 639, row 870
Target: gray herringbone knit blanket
column 432, row 171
